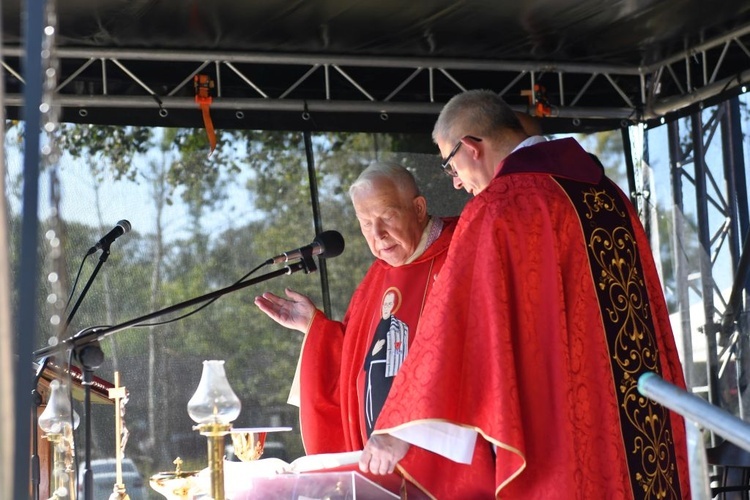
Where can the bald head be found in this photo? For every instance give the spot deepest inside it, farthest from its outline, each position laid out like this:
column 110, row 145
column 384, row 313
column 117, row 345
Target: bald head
column 401, row 178
column 391, row 213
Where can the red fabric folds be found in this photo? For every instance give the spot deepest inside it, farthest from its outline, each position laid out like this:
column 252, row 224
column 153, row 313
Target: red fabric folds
column 513, row 343
column 333, row 354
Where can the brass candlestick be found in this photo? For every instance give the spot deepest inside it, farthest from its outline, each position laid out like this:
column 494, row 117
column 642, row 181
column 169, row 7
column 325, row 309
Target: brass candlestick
column 215, row 433
column 59, row 483
column 58, row 421
column 214, row 406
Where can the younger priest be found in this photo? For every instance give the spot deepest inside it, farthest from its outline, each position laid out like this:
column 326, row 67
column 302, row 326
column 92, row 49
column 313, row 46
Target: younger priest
column 546, row 312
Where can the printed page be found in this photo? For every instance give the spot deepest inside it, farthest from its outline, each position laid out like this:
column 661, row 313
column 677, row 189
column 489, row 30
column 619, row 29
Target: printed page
column 325, row 461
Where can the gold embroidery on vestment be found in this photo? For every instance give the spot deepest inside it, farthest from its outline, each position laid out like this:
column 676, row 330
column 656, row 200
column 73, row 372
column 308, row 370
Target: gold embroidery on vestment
column 634, row 349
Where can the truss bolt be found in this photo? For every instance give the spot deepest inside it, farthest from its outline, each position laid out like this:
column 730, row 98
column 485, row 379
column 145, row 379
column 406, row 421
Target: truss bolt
column 576, row 121
column 163, row 112
column 305, row 115
column 83, row 112
column 384, row 116
column 239, row 115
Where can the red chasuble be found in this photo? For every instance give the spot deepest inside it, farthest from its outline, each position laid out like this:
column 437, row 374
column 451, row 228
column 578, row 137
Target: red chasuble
column 546, row 312
column 333, row 382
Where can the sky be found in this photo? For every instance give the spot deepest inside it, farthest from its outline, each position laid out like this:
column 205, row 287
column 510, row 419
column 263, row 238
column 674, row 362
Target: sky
column 124, row 199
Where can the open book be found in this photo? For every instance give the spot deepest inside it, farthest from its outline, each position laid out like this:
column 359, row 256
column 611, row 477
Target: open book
column 242, row 479
column 307, row 477
column 270, row 466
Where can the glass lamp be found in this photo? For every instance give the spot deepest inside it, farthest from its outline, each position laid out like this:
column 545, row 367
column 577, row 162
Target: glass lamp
column 58, row 420
column 214, row 407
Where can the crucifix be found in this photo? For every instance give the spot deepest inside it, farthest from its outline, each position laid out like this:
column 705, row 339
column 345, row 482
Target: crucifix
column 121, row 396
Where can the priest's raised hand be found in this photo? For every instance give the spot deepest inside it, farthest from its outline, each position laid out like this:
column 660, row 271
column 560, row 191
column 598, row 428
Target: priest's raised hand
column 296, row 312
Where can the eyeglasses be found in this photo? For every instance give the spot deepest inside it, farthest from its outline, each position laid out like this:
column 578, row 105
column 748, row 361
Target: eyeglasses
column 446, row 165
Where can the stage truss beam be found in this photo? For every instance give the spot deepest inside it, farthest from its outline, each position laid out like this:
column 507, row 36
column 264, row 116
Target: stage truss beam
column 161, row 82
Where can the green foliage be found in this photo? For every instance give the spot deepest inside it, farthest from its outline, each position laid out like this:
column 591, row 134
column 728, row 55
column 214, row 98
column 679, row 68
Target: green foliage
column 117, row 146
column 151, row 271
column 607, row 146
column 203, row 178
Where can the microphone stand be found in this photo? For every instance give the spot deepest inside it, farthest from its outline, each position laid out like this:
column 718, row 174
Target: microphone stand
column 102, row 259
column 85, row 344
column 36, row 398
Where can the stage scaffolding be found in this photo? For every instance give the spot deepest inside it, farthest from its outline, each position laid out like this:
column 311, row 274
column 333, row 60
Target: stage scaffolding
column 718, row 188
column 319, row 91
column 702, row 103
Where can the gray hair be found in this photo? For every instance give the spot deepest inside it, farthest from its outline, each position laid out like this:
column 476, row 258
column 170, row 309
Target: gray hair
column 475, row 112
column 401, row 178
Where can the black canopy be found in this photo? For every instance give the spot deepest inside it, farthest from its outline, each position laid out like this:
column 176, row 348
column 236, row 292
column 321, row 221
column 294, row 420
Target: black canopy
column 389, row 64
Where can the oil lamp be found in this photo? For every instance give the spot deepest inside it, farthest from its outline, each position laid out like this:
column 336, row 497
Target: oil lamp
column 214, row 407
column 58, row 420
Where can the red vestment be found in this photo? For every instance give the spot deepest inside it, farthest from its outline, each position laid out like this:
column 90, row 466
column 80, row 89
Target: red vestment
column 546, row 312
column 333, row 354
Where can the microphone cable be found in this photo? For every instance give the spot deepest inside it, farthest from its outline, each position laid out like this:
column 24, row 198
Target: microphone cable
column 75, row 284
column 331, row 244
column 203, row 306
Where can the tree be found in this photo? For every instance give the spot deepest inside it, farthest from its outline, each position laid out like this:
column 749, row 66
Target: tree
column 258, row 183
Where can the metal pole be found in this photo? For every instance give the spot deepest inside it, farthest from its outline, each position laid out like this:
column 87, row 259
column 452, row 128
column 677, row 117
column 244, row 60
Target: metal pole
column 28, row 270
column 704, row 236
column 317, row 219
column 695, row 409
column 7, row 373
column 698, row 414
column 734, row 172
column 627, row 146
column 676, row 160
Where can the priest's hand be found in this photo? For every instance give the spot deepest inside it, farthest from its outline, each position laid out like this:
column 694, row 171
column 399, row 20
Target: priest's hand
column 381, row 454
column 296, row 312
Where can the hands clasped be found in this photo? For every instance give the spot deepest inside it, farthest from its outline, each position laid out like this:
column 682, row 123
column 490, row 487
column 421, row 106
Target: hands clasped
column 295, row 312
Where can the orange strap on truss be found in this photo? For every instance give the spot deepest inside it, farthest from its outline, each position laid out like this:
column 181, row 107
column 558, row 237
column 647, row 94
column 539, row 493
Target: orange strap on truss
column 538, row 101
column 203, row 85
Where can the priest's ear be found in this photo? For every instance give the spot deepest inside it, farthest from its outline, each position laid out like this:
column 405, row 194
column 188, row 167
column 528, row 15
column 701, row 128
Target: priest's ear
column 420, row 207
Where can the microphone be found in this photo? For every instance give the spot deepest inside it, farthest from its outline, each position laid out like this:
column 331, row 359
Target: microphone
column 327, row 244
column 121, row 228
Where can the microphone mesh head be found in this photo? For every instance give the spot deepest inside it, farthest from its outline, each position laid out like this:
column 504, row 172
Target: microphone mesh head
column 332, row 243
column 124, row 224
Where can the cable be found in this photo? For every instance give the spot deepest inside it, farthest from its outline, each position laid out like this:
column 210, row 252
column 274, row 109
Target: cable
column 203, row 306
column 75, row 283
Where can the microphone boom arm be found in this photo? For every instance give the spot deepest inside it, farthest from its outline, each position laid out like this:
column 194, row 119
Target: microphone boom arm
column 85, row 344
column 94, row 334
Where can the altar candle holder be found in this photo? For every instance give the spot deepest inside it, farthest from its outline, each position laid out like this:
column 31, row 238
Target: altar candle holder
column 58, row 420
column 214, row 407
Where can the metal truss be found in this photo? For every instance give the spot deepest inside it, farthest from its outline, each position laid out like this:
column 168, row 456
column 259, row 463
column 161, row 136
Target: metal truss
column 715, row 185
column 162, row 82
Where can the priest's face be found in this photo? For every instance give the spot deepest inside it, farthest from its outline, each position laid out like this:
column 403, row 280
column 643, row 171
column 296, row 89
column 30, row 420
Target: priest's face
column 391, row 221
column 467, row 164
